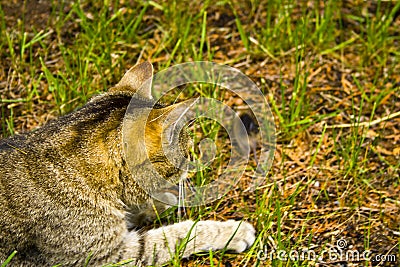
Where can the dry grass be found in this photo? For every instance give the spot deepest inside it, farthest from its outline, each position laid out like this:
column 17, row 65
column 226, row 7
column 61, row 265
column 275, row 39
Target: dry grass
column 335, row 174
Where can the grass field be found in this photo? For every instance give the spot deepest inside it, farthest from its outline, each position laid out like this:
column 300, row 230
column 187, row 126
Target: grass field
column 329, row 69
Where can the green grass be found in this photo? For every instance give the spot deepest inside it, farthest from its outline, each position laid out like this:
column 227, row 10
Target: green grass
column 326, row 69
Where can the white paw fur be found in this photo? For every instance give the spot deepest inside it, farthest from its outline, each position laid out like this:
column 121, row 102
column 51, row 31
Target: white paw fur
column 231, row 235
column 243, row 235
column 236, row 236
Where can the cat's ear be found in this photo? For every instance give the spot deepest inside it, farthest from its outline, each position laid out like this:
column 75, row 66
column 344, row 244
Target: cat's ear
column 173, row 113
column 166, row 120
column 137, row 79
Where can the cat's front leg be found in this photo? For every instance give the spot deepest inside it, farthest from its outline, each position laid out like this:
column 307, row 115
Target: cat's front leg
column 161, row 244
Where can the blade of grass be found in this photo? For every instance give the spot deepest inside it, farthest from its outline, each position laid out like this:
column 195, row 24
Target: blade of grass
column 8, row 260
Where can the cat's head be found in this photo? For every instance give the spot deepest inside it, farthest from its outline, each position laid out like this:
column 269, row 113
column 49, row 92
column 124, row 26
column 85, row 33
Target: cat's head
column 155, row 142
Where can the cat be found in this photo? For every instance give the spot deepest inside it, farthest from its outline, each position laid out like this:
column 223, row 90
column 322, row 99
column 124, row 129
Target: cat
column 67, row 192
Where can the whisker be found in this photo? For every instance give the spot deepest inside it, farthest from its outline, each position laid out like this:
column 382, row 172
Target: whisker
column 181, row 200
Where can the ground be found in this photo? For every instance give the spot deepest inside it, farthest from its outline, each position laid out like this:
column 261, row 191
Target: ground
column 329, row 71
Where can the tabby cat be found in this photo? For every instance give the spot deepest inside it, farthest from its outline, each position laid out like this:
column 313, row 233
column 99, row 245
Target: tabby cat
column 67, row 193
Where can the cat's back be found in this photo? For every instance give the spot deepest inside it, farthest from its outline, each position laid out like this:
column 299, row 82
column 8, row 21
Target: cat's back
column 42, row 174
column 14, row 221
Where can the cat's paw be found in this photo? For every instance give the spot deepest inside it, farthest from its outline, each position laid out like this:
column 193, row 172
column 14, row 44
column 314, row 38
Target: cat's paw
column 243, row 234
